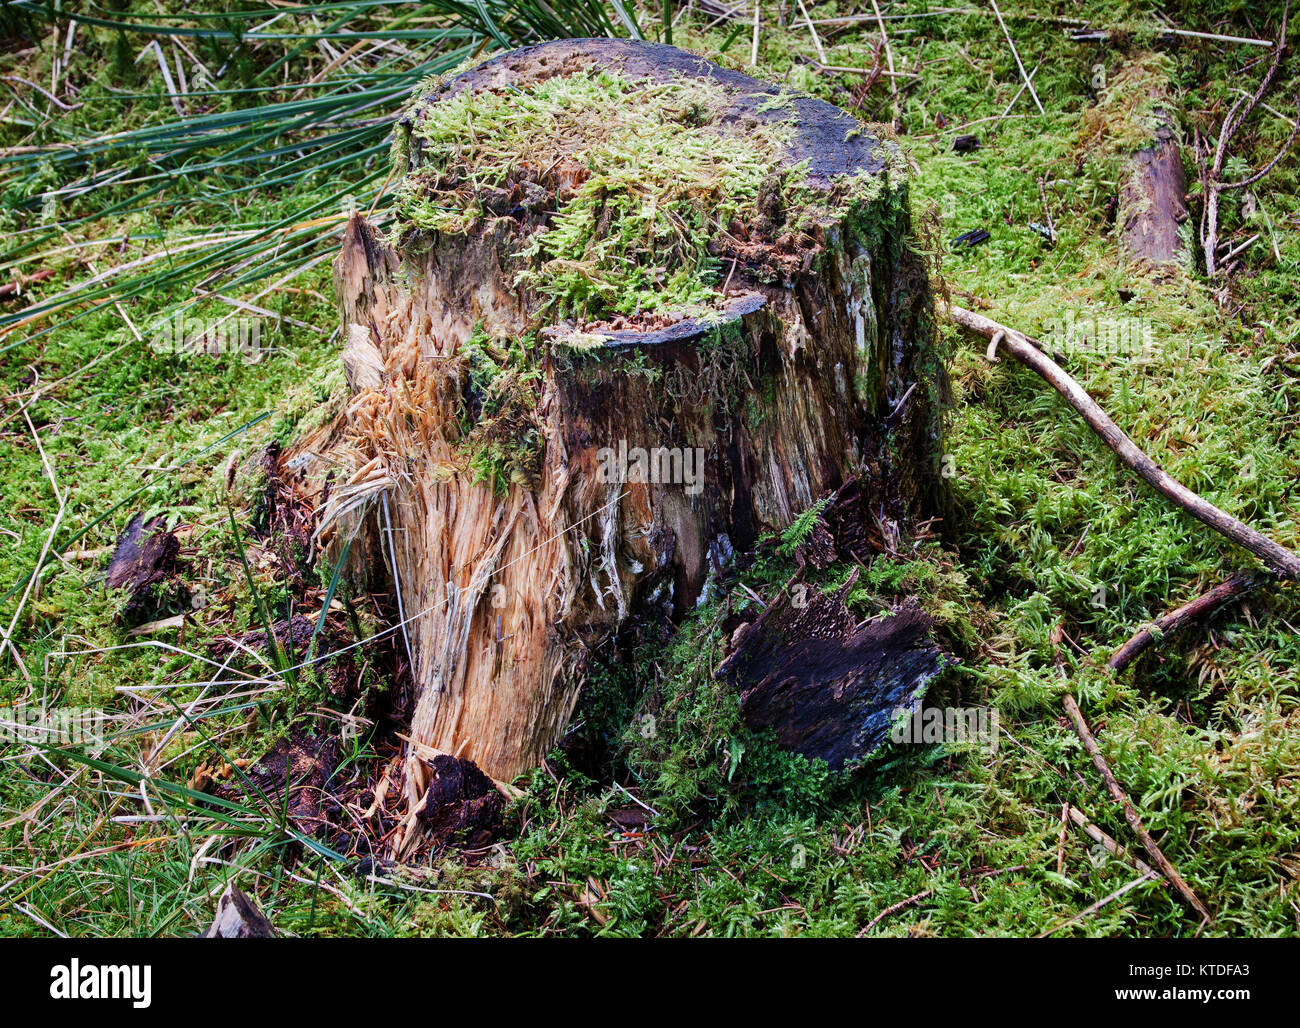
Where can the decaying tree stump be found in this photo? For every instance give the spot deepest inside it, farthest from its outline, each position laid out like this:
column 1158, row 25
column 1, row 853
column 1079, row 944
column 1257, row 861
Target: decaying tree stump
column 637, row 311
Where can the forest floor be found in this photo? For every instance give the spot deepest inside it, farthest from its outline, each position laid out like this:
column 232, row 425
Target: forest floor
column 699, row 829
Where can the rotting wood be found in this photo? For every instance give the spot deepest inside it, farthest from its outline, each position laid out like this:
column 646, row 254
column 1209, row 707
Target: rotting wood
column 238, row 918
column 1152, row 196
column 829, row 687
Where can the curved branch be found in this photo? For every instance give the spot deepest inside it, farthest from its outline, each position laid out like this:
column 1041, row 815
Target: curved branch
column 1278, row 558
column 1295, row 129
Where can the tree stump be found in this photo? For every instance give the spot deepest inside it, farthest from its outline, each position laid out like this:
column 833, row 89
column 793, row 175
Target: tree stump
column 636, row 311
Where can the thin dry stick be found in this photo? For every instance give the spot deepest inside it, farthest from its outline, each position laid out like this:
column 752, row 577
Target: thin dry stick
column 1130, row 814
column 1203, row 605
column 1017, row 96
column 753, row 53
column 841, row 69
column 1097, row 835
column 1098, row 905
column 1212, row 177
column 913, row 900
column 1016, row 54
column 900, row 905
column 45, row 550
column 1279, row 559
column 1060, row 842
column 889, row 60
column 821, row 51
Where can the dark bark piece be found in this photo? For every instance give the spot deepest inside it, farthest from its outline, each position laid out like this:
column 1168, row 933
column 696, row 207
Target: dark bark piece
column 302, row 769
column 460, row 801
column 143, row 550
column 238, row 918
column 144, row 564
column 820, row 368
column 1153, row 198
column 830, row 687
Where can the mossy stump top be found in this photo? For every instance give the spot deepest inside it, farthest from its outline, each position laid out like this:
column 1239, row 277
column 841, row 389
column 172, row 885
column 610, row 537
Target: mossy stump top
column 644, row 182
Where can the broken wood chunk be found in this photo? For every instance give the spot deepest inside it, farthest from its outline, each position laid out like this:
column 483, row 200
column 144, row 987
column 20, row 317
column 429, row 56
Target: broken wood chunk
column 1153, row 198
column 460, row 800
column 297, row 775
column 144, row 564
column 238, row 918
column 829, row 686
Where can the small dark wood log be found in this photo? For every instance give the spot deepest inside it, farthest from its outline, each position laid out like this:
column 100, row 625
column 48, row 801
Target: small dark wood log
column 1153, row 198
column 1203, row 606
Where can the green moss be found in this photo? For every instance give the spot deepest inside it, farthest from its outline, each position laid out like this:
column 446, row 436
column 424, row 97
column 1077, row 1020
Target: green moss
column 631, row 180
column 502, row 439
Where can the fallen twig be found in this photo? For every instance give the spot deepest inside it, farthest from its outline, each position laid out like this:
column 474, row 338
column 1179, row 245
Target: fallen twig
column 911, row 901
column 1099, row 904
column 894, row 909
column 1279, row 559
column 1130, row 814
column 889, row 61
column 21, row 282
column 1212, row 174
column 1097, row 835
column 1203, row 605
column 1060, row 842
column 817, row 42
column 1016, row 54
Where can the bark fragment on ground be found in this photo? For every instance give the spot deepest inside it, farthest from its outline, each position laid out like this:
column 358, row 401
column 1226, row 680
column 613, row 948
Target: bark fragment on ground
column 144, row 564
column 829, row 685
column 1136, row 124
column 238, row 918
